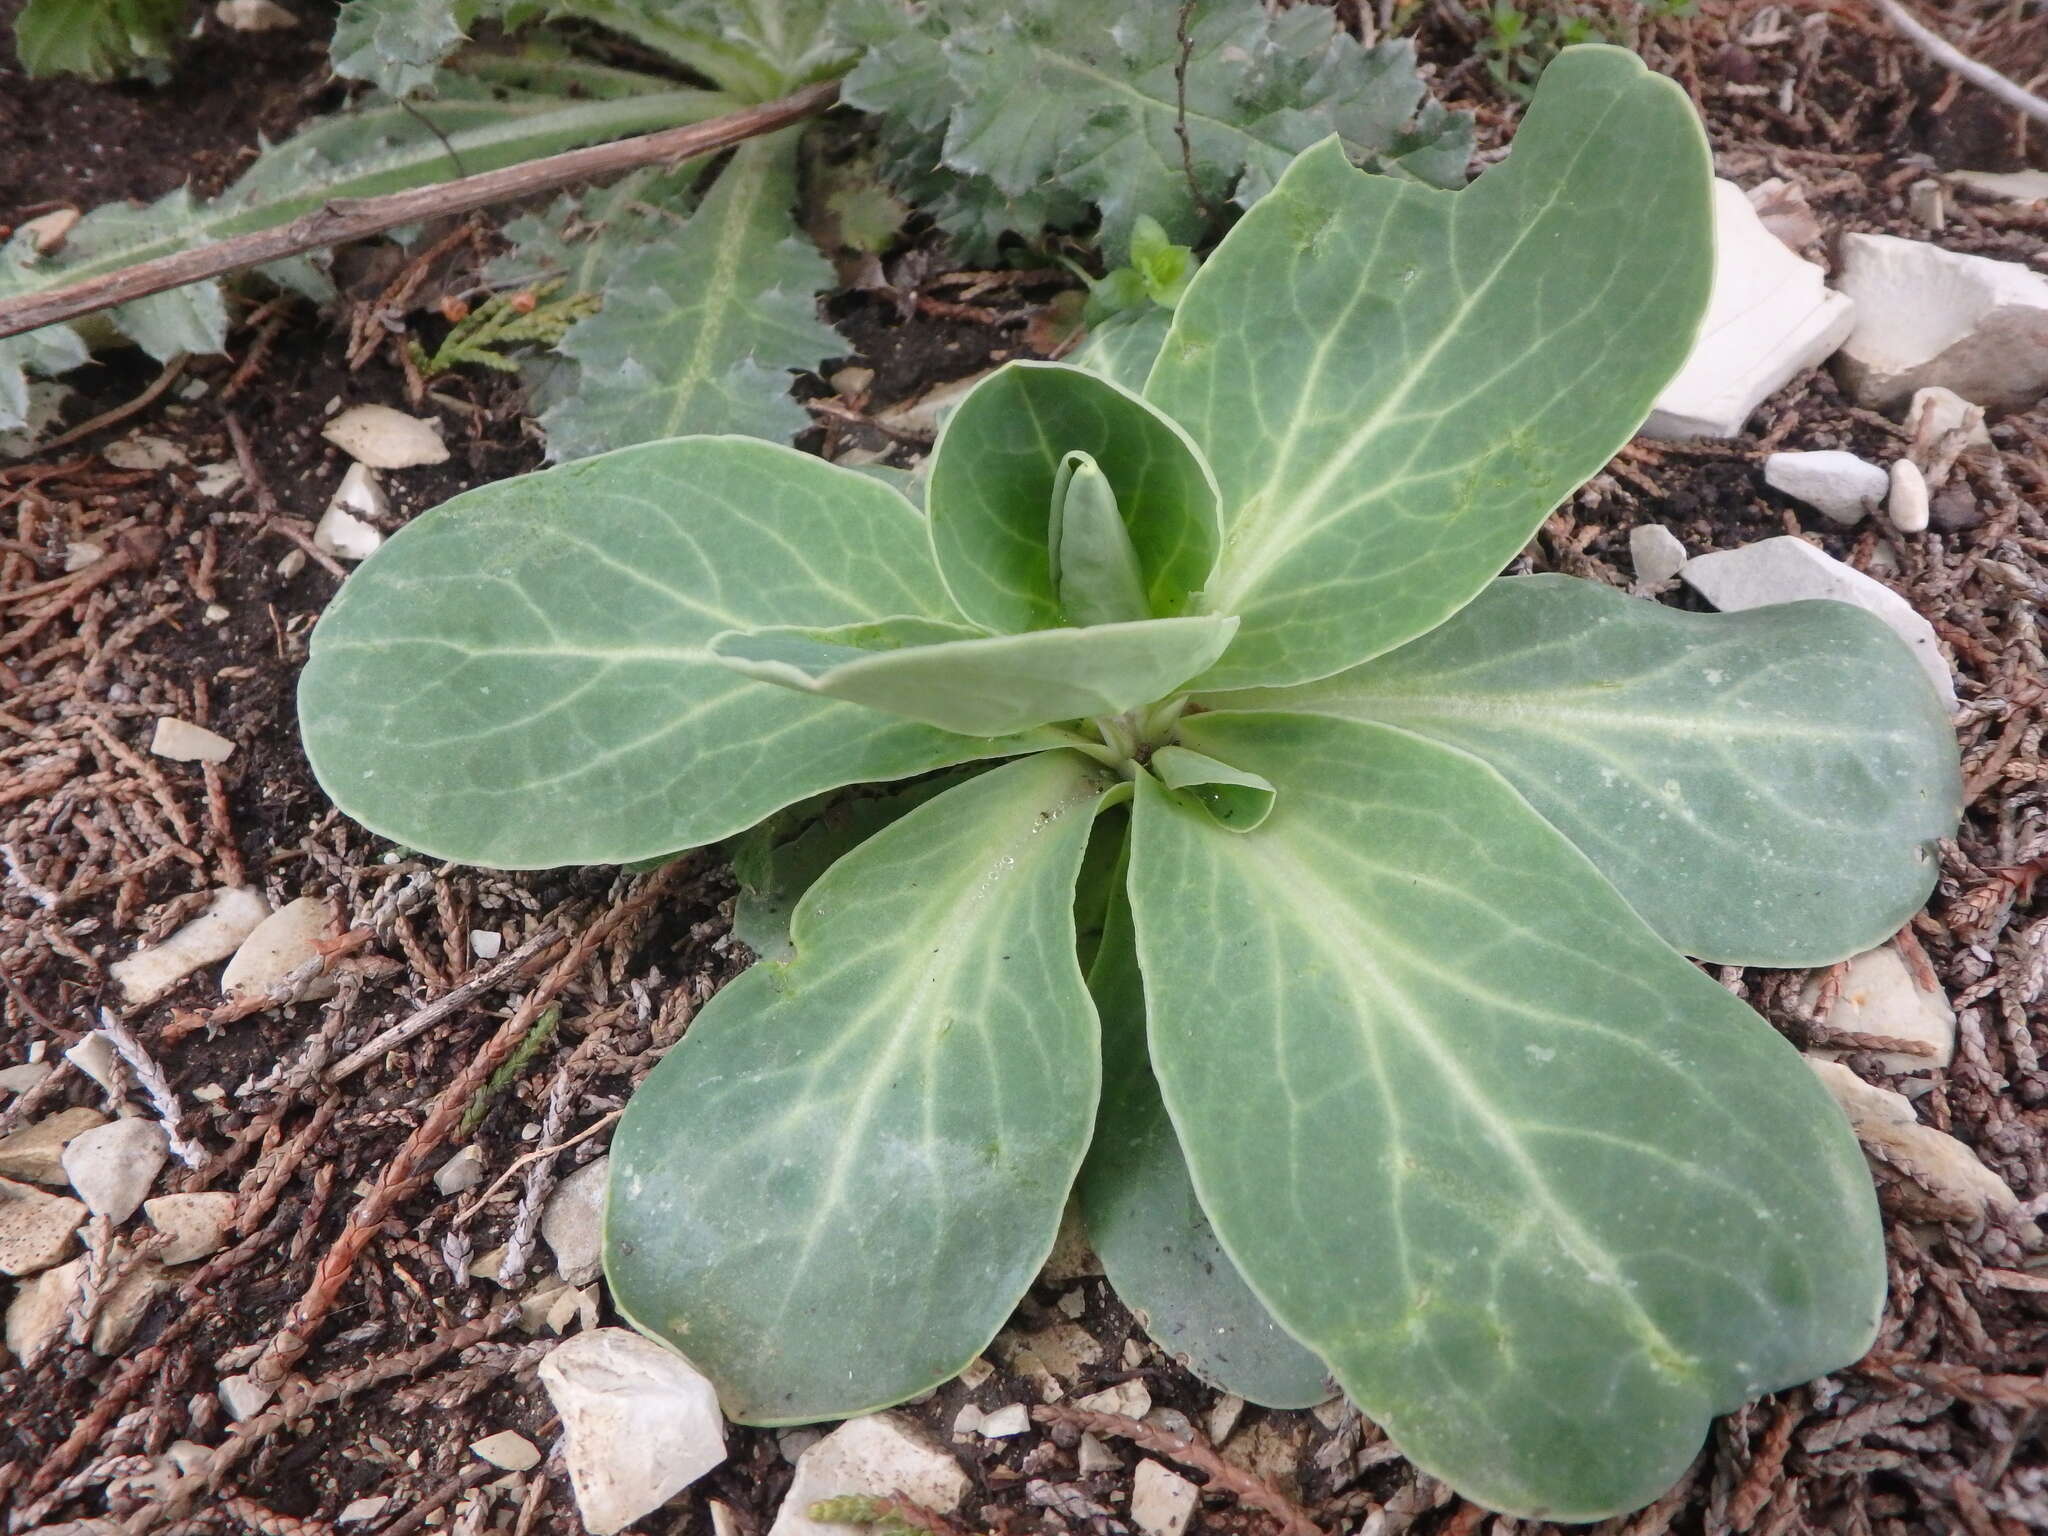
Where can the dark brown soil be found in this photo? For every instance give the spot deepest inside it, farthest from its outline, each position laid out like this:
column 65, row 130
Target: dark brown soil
column 340, row 1242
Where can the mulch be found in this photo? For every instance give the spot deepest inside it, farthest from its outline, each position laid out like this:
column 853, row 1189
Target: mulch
column 345, row 1286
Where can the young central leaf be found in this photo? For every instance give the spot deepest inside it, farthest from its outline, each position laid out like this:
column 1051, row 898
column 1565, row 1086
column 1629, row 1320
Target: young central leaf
column 1094, row 565
column 962, row 679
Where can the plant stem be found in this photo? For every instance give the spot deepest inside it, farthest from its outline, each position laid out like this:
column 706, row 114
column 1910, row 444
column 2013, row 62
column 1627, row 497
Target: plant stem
column 343, row 219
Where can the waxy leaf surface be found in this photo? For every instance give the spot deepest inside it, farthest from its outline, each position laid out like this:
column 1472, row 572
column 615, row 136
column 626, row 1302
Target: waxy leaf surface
column 992, row 478
column 1395, row 384
column 978, row 684
column 1765, row 787
column 521, row 677
column 1145, row 1224
column 1543, row 1195
column 833, row 1192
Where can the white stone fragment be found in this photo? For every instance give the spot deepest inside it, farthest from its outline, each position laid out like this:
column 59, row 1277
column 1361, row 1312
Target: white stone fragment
column 1906, row 506
column 36, row 1151
column 1839, row 486
column 78, row 555
column 1655, row 552
column 1936, row 412
column 572, row 1305
column 639, row 1424
column 1925, row 315
column 1879, row 995
column 1771, row 317
column 975, row 1372
column 1781, row 207
column 1789, row 570
column 1223, row 1417
column 217, row 479
column 968, row 1420
column 1956, row 1186
column 356, row 1511
column 507, row 1449
column 882, row 1455
column 573, row 1222
column 1092, row 1456
column 48, row 232
column 1011, row 1419
column 95, row 1056
column 1927, row 204
column 183, row 742
column 19, row 1080
column 276, row 947
column 143, row 452
column 344, row 535
column 2013, row 186
column 36, row 1230
column 35, row 1318
column 382, row 438
column 112, row 1166
column 254, row 16
column 127, row 1304
column 462, row 1172
column 213, row 935
column 1129, row 1398
column 486, row 944
column 194, row 1226
column 244, row 1397
column 1162, row 1501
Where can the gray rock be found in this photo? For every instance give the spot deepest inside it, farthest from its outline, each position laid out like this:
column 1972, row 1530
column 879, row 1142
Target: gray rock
column 36, row 1152
column 112, row 1166
column 1839, row 486
column 881, row 1454
column 193, row 1225
column 1879, row 995
column 36, row 1230
column 1655, row 553
column 1925, row 316
column 573, row 1223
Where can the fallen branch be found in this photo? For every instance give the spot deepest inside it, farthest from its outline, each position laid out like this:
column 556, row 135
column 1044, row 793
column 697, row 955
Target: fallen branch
column 355, row 218
column 1949, row 57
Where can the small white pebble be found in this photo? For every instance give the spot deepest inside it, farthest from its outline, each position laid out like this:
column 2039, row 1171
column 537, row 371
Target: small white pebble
column 1014, row 1419
column 485, row 944
column 183, row 742
column 508, row 1449
column 1907, row 504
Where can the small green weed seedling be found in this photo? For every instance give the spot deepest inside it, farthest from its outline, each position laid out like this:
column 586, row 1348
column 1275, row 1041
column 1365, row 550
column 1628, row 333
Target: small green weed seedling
column 1315, row 905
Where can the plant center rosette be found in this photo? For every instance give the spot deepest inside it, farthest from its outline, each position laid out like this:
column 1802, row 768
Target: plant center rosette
column 1308, row 902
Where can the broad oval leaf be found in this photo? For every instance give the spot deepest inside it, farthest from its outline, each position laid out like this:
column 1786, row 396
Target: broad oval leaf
column 1123, row 348
column 834, row 1191
column 992, row 478
column 960, row 679
column 1764, row 787
column 521, row 678
column 1236, row 799
column 1544, row 1196
column 1394, row 384
column 1145, row 1224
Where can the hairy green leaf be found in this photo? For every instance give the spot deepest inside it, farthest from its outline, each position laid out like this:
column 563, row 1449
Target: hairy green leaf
column 998, row 463
column 699, row 333
column 99, row 39
column 1095, row 573
column 1147, row 1227
column 1395, row 384
column 968, row 681
column 1234, row 798
column 1123, row 348
column 1039, row 108
column 1765, row 788
column 521, row 677
column 834, row 1191
column 1544, row 1196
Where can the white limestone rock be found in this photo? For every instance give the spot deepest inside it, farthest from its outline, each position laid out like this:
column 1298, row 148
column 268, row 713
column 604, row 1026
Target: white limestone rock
column 243, row 1397
column 95, row 1056
column 276, row 947
column 1790, row 570
column 882, row 1455
column 254, row 15
column 36, row 1152
column 194, row 1226
column 19, row 1080
column 112, row 1166
column 509, row 1450
column 1934, row 413
column 1130, row 1398
column 639, row 1424
column 1925, row 315
column 2011, row 186
column 462, row 1172
column 1839, row 486
column 213, row 935
column 1655, row 553
column 1162, row 1501
column 1952, row 1184
column 1771, row 317
column 573, row 1223
column 35, row 1318
column 1879, row 995
column 183, row 742
column 382, row 438
column 1010, row 1419
column 345, row 536
column 1907, row 504
column 36, row 1230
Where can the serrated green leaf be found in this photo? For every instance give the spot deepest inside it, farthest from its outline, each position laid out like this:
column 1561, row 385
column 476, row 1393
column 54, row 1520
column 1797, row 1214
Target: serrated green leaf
column 521, row 677
column 1544, row 1196
column 835, row 1190
column 398, row 45
column 1021, row 96
column 1395, row 385
column 98, row 39
column 992, row 479
column 1123, row 348
column 700, row 333
column 1144, row 1222
column 1765, row 788
column 960, row 679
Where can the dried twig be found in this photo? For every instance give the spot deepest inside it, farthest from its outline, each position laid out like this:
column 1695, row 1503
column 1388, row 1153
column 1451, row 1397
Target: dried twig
column 1241, row 1485
column 1949, row 57
column 423, row 1019
column 119, row 413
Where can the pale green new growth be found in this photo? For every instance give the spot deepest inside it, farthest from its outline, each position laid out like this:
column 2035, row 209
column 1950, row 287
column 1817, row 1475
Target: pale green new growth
column 1378, row 867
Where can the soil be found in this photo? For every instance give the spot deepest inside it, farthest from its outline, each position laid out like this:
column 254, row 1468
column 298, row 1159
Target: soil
column 198, row 605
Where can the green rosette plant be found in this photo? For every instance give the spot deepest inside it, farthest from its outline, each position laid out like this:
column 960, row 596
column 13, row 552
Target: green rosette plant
column 1351, row 884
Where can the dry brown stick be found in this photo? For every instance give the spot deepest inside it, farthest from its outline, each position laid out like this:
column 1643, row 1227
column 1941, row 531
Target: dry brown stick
column 425, row 1018
column 405, row 1169
column 118, row 413
column 355, row 218
column 1241, row 1485
column 1953, row 59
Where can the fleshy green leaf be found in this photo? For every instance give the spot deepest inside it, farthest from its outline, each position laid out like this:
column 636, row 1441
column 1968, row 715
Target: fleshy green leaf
column 99, row 39
column 1544, row 1196
column 995, row 469
column 1763, row 787
column 1147, row 1227
column 1038, row 105
column 965, row 680
column 700, row 333
column 1395, row 384
column 1123, row 349
column 521, row 677
column 833, row 1192
column 1095, row 574
column 1234, row 798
